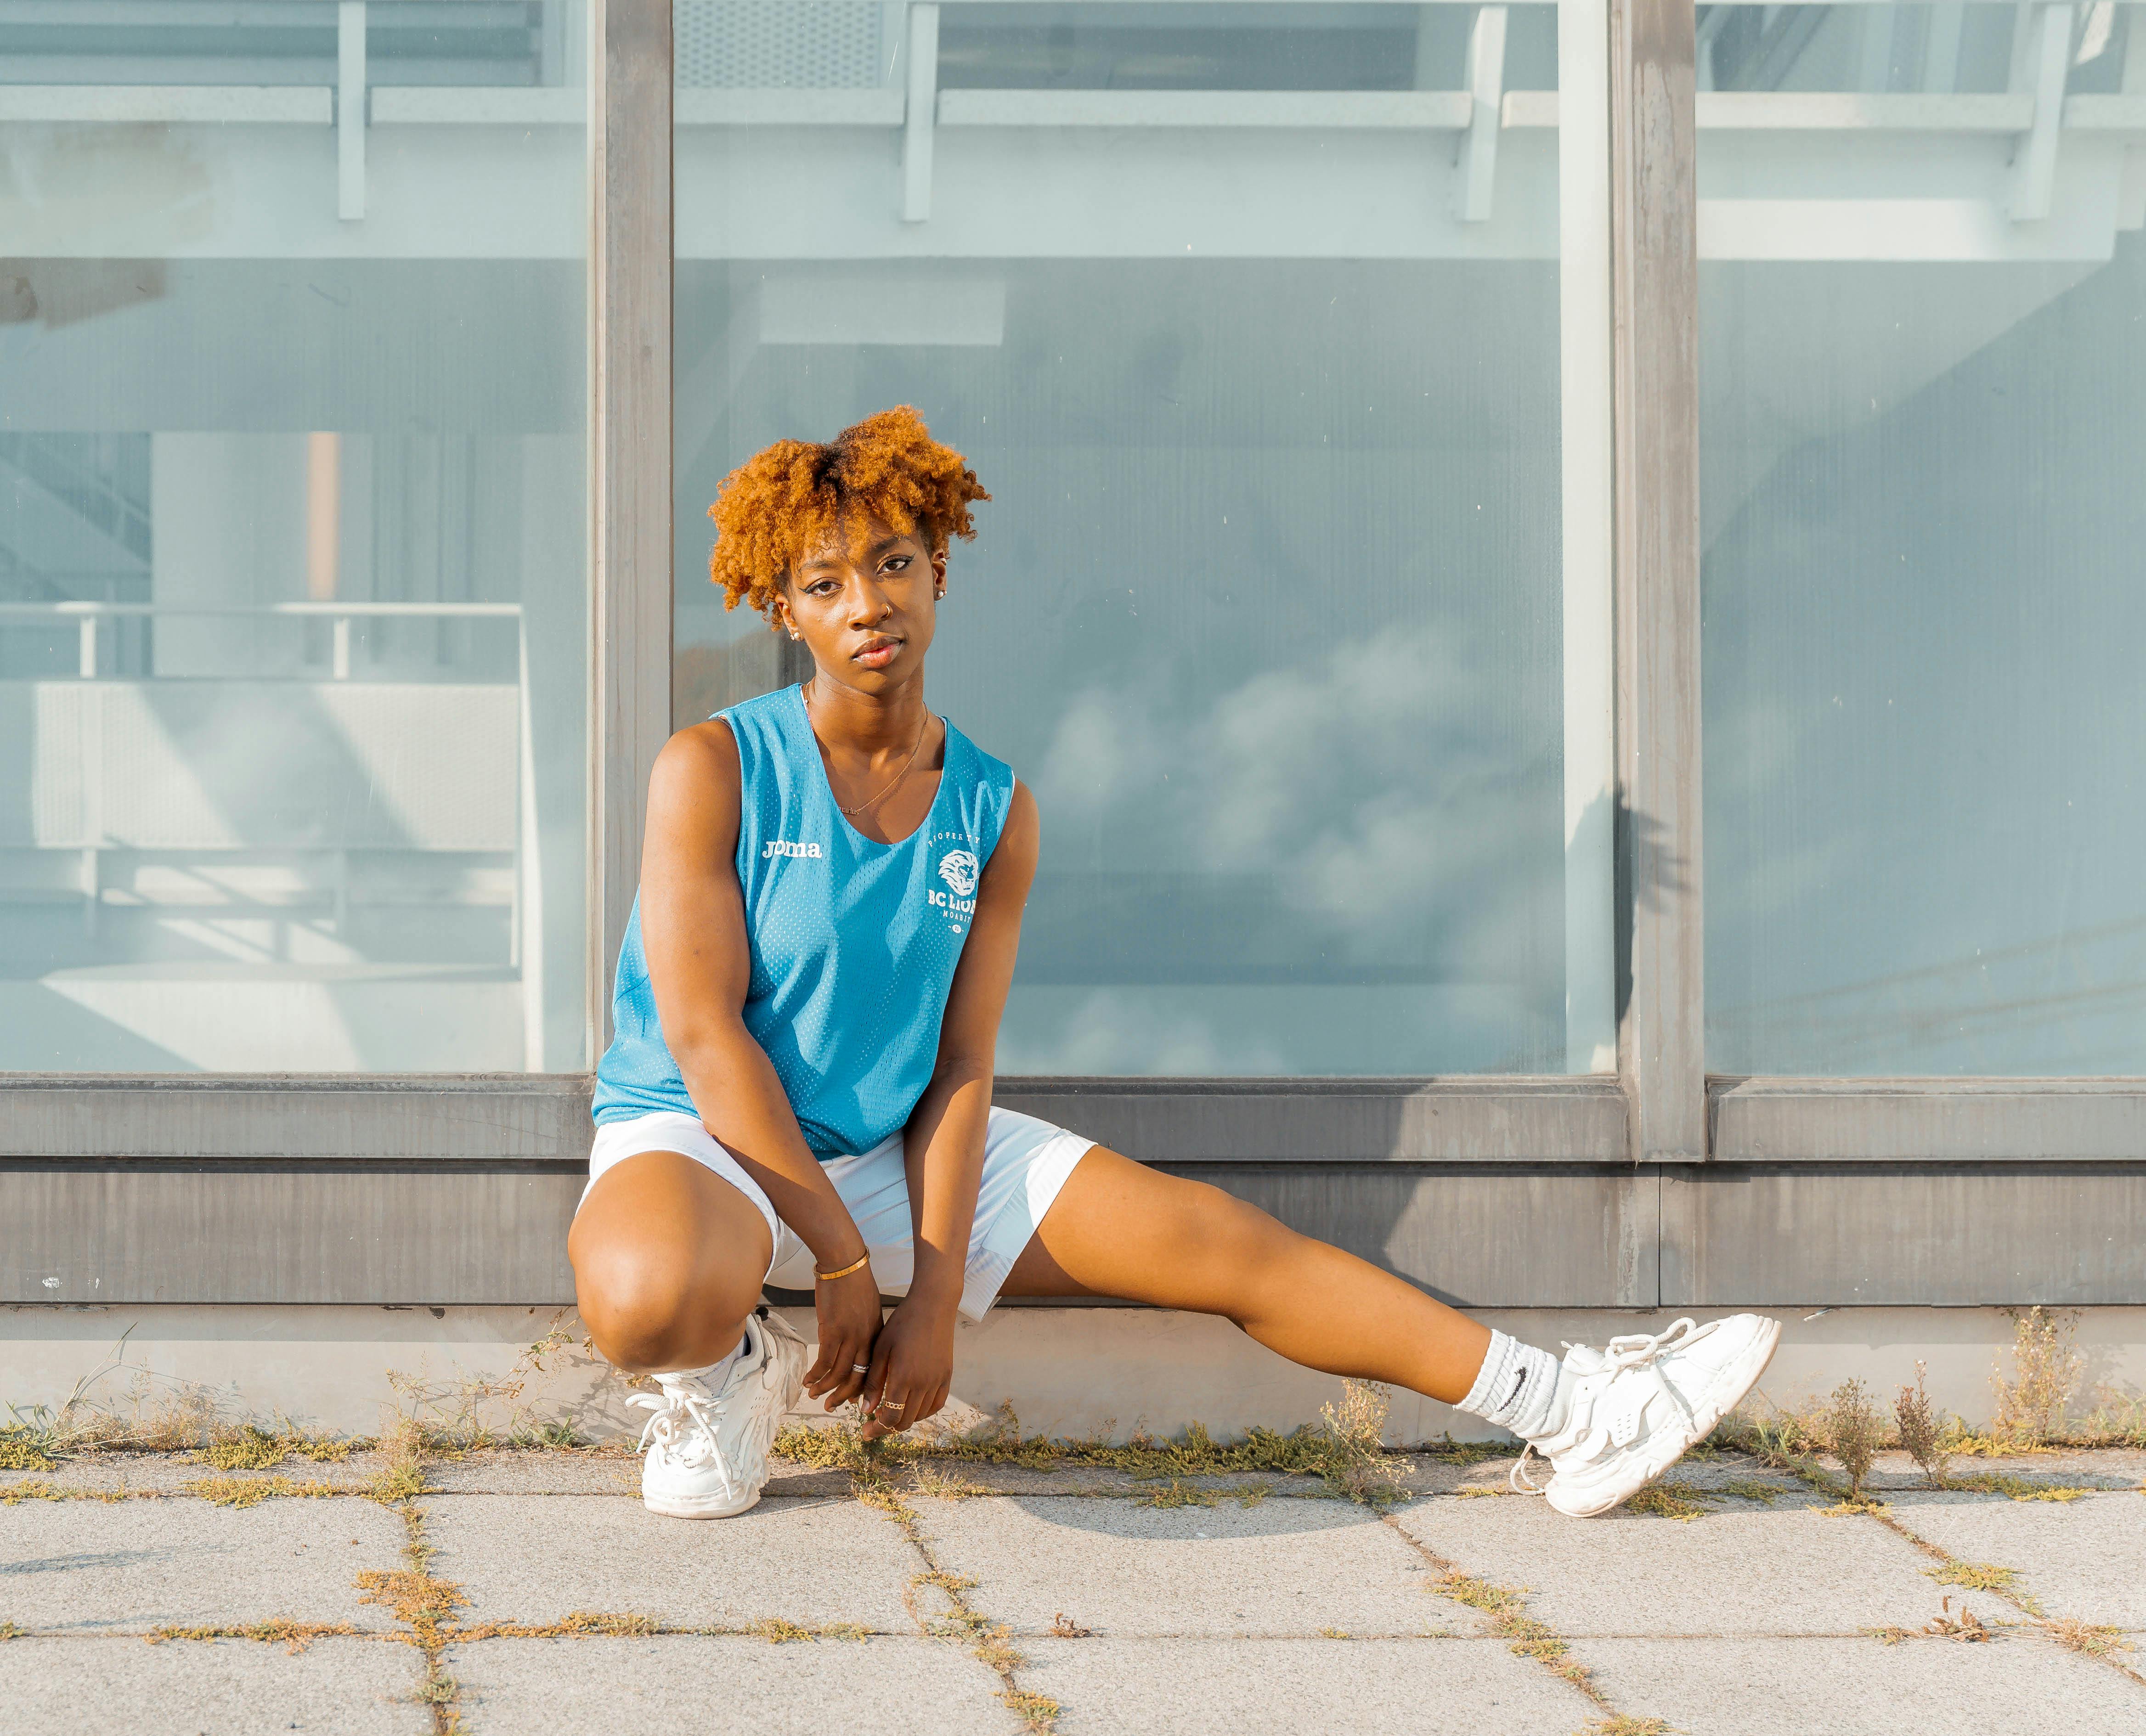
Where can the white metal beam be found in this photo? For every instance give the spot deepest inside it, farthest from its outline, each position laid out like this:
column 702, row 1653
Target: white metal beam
column 350, row 111
column 2040, row 60
column 1478, row 157
column 921, row 118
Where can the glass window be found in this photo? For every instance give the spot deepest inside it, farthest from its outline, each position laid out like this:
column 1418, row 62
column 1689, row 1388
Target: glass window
column 1924, row 375
column 293, row 588
column 1292, row 602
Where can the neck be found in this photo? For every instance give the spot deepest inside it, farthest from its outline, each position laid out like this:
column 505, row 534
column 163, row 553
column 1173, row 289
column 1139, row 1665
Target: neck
column 866, row 723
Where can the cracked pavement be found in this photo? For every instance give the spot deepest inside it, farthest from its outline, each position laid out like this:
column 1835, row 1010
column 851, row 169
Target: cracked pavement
column 518, row 1590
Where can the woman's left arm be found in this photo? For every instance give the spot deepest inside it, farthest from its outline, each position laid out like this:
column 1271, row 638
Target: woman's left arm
column 913, row 1358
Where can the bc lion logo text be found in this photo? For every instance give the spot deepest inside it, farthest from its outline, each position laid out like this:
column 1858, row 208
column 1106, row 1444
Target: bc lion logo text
column 959, row 870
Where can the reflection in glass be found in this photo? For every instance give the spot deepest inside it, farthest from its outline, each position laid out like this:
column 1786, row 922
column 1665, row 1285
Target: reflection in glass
column 292, row 580
column 1267, row 605
column 1923, row 428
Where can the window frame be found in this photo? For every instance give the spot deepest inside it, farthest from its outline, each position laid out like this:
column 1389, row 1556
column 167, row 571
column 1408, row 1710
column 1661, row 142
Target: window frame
column 452, row 1188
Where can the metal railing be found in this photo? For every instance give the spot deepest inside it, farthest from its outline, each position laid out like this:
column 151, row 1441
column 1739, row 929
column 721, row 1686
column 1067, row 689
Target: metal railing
column 88, row 613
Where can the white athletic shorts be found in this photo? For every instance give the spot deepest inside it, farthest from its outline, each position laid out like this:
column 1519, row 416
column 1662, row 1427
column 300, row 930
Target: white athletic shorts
column 1026, row 1163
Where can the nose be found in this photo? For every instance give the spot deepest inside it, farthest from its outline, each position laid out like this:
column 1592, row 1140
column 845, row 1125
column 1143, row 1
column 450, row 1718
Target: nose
column 868, row 603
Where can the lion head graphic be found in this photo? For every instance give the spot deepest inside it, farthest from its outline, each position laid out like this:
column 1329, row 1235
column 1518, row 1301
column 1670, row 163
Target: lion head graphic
column 958, row 869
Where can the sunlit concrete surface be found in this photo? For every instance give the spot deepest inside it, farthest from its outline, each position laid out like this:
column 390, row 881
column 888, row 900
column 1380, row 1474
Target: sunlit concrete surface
column 508, row 1590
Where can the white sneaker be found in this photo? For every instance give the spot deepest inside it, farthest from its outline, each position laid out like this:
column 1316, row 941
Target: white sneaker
column 1641, row 1403
column 707, row 1452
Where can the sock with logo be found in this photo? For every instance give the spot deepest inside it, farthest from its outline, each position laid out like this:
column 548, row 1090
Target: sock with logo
column 1519, row 1388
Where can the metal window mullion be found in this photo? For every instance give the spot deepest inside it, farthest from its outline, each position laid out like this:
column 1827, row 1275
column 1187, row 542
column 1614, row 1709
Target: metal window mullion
column 1653, row 218
column 629, row 274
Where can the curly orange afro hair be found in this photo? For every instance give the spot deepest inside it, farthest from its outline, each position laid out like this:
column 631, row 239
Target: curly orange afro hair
column 783, row 500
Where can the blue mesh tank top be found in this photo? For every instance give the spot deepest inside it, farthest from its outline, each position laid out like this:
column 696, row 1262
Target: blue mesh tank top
column 854, row 942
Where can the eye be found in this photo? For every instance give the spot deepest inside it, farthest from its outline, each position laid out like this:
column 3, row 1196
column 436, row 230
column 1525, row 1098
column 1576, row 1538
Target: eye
column 895, row 563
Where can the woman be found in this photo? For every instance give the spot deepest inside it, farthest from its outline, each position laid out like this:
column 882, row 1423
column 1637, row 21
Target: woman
column 807, row 1005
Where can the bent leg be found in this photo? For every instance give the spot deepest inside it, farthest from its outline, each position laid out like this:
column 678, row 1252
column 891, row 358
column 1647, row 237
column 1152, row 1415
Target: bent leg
column 1118, row 1229
column 668, row 1260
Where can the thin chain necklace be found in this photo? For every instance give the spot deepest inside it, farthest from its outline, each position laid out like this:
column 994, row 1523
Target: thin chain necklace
column 866, row 807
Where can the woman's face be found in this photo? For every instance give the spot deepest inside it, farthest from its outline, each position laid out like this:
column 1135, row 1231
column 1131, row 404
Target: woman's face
column 863, row 599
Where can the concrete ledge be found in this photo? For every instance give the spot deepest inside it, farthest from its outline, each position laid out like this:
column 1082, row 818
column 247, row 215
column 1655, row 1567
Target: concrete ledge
column 1065, row 1371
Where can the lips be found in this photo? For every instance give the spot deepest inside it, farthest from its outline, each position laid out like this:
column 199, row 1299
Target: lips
column 877, row 653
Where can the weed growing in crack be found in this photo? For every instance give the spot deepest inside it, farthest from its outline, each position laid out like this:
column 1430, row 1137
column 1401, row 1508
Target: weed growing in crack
column 252, row 1491
column 2086, row 1639
column 1673, row 1500
column 1985, row 1576
column 1922, row 1434
column 1064, row 1627
column 19, row 1451
column 2045, row 1373
column 1345, row 1453
column 294, row 1637
column 8, row 1630
column 1506, row 1613
column 1854, row 1434
column 1621, row 1725
column 1177, row 1494
column 776, row 1631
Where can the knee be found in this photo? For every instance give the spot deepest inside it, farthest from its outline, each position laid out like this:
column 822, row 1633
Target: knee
column 1233, row 1237
column 647, row 1312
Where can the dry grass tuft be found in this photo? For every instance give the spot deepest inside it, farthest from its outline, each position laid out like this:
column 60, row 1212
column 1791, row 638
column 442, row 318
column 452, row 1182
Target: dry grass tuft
column 2046, row 1367
column 1965, row 1626
column 1622, row 1725
column 1064, row 1627
column 1354, row 1459
column 928, row 1480
column 8, row 1630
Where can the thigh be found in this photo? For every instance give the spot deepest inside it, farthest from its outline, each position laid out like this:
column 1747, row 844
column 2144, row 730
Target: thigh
column 1118, row 1229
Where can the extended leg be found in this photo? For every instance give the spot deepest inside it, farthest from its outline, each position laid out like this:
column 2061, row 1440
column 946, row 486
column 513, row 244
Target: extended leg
column 1118, row 1229
column 668, row 1260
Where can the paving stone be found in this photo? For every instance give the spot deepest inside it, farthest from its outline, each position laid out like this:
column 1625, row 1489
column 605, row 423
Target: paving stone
column 535, row 1558
column 2012, row 1686
column 114, row 1687
column 1787, row 1569
column 1278, row 1567
column 129, row 1566
column 1180, row 1687
column 2085, row 1557
column 676, row 1682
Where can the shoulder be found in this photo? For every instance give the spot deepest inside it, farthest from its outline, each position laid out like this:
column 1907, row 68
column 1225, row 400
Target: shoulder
column 1019, row 837
column 697, row 764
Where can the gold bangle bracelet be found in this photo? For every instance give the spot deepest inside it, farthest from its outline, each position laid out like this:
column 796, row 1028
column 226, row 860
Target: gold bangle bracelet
column 854, row 1265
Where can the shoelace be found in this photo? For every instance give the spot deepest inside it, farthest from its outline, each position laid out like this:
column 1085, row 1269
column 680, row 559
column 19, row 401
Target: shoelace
column 1630, row 1350
column 679, row 1414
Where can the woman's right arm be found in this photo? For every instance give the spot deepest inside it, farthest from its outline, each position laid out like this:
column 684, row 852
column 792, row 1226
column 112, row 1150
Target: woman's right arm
column 700, row 964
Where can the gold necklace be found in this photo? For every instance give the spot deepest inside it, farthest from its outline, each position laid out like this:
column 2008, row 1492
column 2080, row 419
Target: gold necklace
column 915, row 747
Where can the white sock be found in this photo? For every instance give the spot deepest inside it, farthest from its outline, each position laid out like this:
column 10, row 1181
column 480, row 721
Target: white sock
column 1519, row 1388
column 713, row 1376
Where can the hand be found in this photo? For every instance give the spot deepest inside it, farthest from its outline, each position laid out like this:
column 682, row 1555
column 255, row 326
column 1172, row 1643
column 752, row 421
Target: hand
column 912, row 1366
column 848, row 1311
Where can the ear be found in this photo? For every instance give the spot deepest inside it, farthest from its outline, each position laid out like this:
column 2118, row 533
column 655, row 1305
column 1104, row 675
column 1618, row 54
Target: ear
column 939, row 572
column 779, row 617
